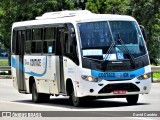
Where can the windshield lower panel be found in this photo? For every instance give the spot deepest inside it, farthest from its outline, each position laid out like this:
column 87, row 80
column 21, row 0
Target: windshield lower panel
column 99, row 40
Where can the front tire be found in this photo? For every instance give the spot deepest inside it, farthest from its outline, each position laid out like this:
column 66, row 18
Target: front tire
column 75, row 100
column 132, row 99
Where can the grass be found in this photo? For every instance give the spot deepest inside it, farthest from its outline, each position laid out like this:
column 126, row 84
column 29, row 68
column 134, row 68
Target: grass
column 3, row 62
column 156, row 75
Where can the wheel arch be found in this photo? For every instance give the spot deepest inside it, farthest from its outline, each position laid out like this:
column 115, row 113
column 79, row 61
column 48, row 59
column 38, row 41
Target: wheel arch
column 69, row 86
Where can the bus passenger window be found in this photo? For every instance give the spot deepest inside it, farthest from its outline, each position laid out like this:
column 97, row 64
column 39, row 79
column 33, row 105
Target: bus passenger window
column 37, row 33
column 28, row 41
column 36, row 45
column 14, row 41
column 49, row 39
column 33, row 47
column 28, row 47
column 48, row 44
column 18, row 43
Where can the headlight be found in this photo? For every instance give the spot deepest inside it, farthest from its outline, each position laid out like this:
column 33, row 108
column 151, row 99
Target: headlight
column 91, row 78
column 144, row 76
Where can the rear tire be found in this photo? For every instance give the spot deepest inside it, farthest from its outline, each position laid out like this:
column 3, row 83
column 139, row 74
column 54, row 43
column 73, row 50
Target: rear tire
column 39, row 97
column 132, row 99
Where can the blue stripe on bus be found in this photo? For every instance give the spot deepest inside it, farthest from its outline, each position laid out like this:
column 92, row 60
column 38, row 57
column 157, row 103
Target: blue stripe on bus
column 13, row 64
column 118, row 75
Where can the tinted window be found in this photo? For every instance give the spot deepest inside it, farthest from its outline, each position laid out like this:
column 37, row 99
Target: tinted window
column 36, row 45
column 28, row 41
column 95, row 35
column 49, row 39
column 129, row 33
column 14, row 41
column 37, row 33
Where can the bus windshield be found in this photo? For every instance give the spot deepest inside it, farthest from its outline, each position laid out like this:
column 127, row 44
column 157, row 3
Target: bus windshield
column 101, row 39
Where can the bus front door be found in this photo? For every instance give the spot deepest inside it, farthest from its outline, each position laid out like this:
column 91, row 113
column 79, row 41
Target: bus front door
column 19, row 60
column 59, row 49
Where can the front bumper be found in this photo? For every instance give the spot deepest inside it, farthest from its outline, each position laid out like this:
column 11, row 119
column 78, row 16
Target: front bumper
column 106, row 88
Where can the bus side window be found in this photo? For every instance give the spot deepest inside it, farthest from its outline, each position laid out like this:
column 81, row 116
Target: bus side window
column 36, row 45
column 14, row 40
column 28, row 41
column 49, row 39
column 18, row 50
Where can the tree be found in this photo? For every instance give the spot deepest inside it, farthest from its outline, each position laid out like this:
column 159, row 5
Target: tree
column 20, row 10
column 147, row 13
column 107, row 6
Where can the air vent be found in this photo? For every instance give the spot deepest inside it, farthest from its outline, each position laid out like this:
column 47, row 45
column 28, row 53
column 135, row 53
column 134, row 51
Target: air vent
column 129, row 87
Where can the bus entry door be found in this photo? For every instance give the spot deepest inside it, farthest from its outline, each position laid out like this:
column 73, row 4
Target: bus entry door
column 60, row 52
column 19, row 60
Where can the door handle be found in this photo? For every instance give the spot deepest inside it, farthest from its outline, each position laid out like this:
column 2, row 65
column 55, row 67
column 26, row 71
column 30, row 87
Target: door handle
column 65, row 59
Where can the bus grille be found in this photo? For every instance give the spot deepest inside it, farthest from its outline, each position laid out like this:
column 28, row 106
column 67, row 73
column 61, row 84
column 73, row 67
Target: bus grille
column 129, row 87
column 119, row 67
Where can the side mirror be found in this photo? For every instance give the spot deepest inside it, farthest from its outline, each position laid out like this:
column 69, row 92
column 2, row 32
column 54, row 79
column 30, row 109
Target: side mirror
column 143, row 31
column 72, row 31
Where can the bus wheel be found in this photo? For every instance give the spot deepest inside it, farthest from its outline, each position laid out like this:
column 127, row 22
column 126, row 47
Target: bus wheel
column 36, row 97
column 75, row 100
column 132, row 99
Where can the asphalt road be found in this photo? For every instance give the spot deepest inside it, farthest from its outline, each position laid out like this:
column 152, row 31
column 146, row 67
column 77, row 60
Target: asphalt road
column 11, row 100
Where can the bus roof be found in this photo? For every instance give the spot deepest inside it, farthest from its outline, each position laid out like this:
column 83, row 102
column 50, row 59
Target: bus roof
column 76, row 16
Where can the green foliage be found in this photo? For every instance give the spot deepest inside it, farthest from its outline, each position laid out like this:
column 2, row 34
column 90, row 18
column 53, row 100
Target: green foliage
column 68, row 4
column 3, row 62
column 94, row 5
column 156, row 75
column 19, row 10
column 116, row 6
column 147, row 13
column 107, row 6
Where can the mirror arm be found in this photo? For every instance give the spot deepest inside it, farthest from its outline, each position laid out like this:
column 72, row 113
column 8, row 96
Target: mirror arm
column 143, row 31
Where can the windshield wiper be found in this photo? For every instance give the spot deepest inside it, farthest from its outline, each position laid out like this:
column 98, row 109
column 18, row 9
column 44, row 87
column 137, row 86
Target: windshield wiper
column 111, row 46
column 109, row 50
column 129, row 53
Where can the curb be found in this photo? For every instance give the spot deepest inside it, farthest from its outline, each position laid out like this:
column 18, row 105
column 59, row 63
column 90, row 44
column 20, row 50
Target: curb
column 5, row 76
column 156, row 80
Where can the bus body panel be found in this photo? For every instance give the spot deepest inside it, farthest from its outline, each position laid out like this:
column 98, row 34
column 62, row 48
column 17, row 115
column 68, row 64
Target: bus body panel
column 13, row 69
column 72, row 72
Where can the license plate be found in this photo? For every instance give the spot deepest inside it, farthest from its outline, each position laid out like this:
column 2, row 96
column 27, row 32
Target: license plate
column 119, row 92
